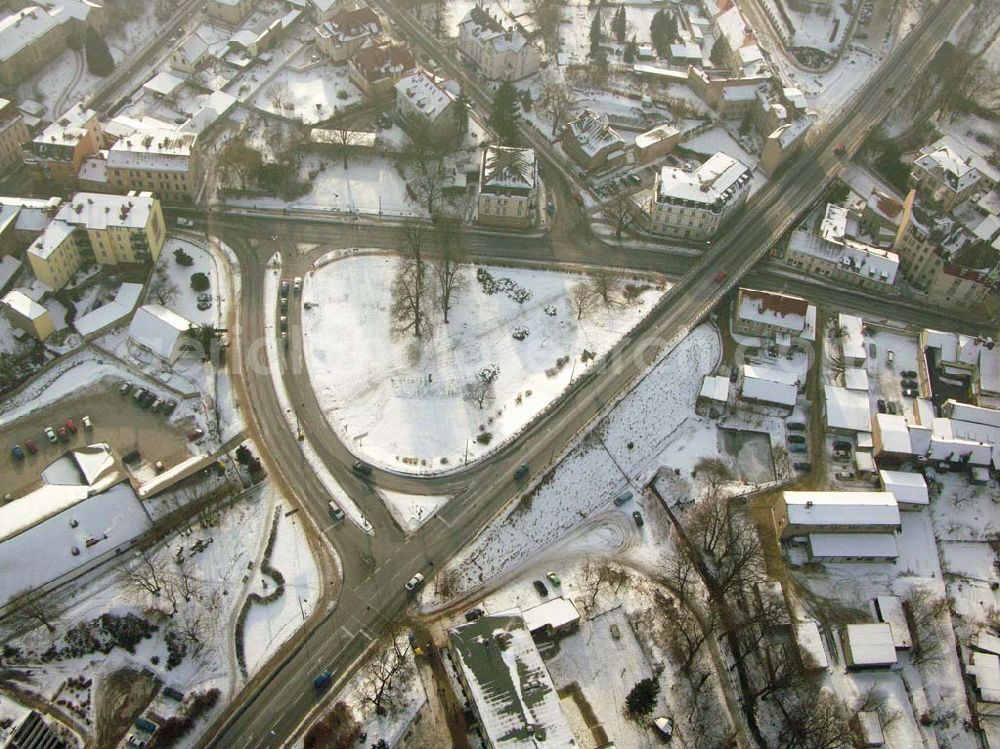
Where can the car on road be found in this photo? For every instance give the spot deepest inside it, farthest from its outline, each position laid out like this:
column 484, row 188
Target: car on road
column 664, row 727
column 521, row 472
column 63, row 434
column 204, row 297
column 284, row 287
column 840, row 150
column 472, row 614
column 196, row 434
column 909, row 374
column 16, row 452
column 578, row 198
column 414, row 581
column 88, row 425
column 323, row 680
column 50, row 435
column 31, row 446
column 720, row 276
column 802, row 466
column 553, row 578
column 297, row 285
column 335, row 512
column 540, row 588
column 124, row 388
column 734, row 374
column 637, row 517
column 361, row 468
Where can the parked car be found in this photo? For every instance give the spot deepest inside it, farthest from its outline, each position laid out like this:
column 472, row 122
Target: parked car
column 196, row 434
column 521, row 471
column 88, row 425
column 186, row 222
column 157, row 405
column 881, row 406
column 796, row 426
column 553, row 578
column 362, row 468
column 139, row 394
column 622, row 498
column 124, row 388
column 169, row 407
column 16, row 452
column 890, row 357
column 842, row 445
column 31, row 446
column 798, row 449
column 540, row 587
column 148, row 398
column 796, row 439
column 204, row 297
column 637, row 517
column 284, row 287
column 414, row 581
column 734, row 374
column 63, row 434
column 910, row 374
column 50, row 435
column 472, row 614
column 204, row 306
column 70, row 425
column 664, row 727
column 283, row 324
column 803, row 466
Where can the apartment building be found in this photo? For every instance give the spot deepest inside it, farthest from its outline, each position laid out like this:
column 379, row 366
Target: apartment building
column 376, row 68
column 29, row 40
column 495, row 45
column 694, row 204
column 774, row 317
column 948, row 172
column 59, row 150
column 13, row 134
column 98, row 228
column 231, row 12
column 165, row 162
column 347, row 32
column 424, row 101
column 27, row 314
column 508, row 181
column 592, row 143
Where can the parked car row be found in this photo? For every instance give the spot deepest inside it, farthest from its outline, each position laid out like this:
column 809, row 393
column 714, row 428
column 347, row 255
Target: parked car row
column 52, row 435
column 146, row 398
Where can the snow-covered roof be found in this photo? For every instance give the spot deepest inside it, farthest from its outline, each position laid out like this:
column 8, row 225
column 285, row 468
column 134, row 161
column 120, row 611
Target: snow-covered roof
column 192, row 49
column 506, row 168
column 842, row 509
column 426, row 92
column 853, row 545
column 769, row 391
column 158, row 329
column 23, row 305
column 847, row 409
column 69, row 129
column 730, row 24
column 907, row 488
column 856, row 379
column 955, row 163
column 50, row 239
column 852, row 339
column 659, row 133
column 739, row 93
column 869, row 644
column 155, row 150
column 351, row 24
column 123, row 125
column 213, row 107
column 9, row 267
column 592, row 132
column 795, row 98
column 378, row 61
column 714, row 183
column 126, row 299
column 163, row 84
column 485, row 23
column 973, row 414
column 32, row 214
column 515, row 698
column 956, row 441
column 895, row 434
column 776, row 310
column 889, row 609
column 685, row 51
column 555, row 613
column 871, row 262
column 20, row 29
column 95, row 210
column 715, row 387
column 810, row 642
column 790, row 132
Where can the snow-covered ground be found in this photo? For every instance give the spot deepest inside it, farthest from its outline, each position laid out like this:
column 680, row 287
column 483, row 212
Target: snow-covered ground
column 412, row 510
column 310, row 95
column 400, row 403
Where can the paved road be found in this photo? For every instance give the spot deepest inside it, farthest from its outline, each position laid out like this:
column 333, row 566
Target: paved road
column 271, row 711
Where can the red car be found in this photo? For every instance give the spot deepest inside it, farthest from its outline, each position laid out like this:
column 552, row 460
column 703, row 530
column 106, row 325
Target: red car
column 31, row 446
column 71, row 426
column 840, row 150
column 63, row 434
column 720, row 276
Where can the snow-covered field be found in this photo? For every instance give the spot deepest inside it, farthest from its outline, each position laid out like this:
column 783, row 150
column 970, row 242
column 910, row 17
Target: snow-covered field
column 310, row 95
column 412, row 510
column 399, row 402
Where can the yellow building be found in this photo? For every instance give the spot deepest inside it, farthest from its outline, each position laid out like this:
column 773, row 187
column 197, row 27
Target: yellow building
column 97, row 228
column 27, row 314
column 164, row 161
column 13, row 135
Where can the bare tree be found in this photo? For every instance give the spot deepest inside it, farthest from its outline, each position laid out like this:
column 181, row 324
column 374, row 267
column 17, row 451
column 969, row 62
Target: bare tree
column 146, row 574
column 727, row 538
column 345, row 139
column 385, row 674
column 33, row 607
column 447, row 266
column 582, row 299
column 621, row 211
column 238, row 159
column 482, row 387
column 557, row 102
column 925, row 611
column 193, row 626
column 605, row 282
column 816, row 720
column 409, row 288
column 279, row 94
column 429, row 181
column 162, row 289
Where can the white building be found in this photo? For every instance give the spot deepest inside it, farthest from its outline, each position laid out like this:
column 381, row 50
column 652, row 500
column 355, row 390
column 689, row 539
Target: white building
column 777, row 317
column 853, row 547
column 508, row 179
column 693, row 204
column 165, row 162
column 769, row 385
column 948, row 172
column 909, row 489
column 159, row 331
column 494, row 43
column 803, row 513
column 424, row 101
column 847, row 411
column 868, row 646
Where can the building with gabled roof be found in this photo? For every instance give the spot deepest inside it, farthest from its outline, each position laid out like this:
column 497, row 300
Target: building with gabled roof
column 58, row 151
column 868, row 646
column 375, row 69
column 424, row 101
column 13, row 135
column 802, row 513
column 29, row 40
column 777, row 317
column 769, row 385
column 188, row 56
column 948, row 172
column 909, row 489
column 231, row 12
column 347, row 32
column 165, row 162
column 495, row 44
column 694, row 204
column 508, row 180
column 27, row 314
column 783, row 143
column 160, row 331
column 507, row 684
column 592, row 142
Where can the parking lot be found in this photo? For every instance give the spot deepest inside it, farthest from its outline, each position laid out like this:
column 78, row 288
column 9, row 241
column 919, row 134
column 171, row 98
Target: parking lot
column 117, row 420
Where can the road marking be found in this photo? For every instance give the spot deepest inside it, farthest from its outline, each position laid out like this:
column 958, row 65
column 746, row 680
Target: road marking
column 441, row 518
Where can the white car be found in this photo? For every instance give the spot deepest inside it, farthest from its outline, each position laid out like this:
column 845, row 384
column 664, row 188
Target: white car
column 665, row 727
column 414, row 581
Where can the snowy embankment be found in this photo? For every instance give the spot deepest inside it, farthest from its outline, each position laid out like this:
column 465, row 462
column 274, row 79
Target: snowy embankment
column 403, row 402
column 271, row 282
column 654, row 424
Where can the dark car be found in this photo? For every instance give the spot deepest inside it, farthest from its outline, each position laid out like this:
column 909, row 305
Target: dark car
column 842, row 445
column 637, row 517
column 909, row 374
column 362, row 468
column 284, row 288
column 802, row 466
column 31, row 446
column 796, row 426
column 323, row 681
column 16, row 452
column 472, row 614
column 881, row 406
column 734, row 374
column 796, row 439
column 169, row 407
column 63, row 434
column 522, row 471
column 204, row 306
column 540, row 587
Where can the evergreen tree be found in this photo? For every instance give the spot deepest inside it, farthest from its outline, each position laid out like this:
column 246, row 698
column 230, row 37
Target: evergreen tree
column 619, row 25
column 642, row 699
column 658, row 34
column 462, row 105
column 99, row 59
column 720, row 52
column 631, row 48
column 506, row 117
column 595, row 33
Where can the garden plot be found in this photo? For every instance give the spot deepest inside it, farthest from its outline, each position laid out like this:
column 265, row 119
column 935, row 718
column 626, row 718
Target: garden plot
column 309, row 95
column 402, row 403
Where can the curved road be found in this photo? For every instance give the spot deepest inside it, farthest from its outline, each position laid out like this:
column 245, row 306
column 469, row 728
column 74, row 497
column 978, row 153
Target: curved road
column 272, row 711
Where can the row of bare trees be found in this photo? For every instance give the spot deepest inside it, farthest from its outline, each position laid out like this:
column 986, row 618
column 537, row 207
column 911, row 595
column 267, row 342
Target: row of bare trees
column 429, row 276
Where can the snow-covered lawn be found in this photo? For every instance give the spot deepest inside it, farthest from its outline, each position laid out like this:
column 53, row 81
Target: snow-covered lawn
column 400, row 402
column 185, row 301
column 311, row 95
column 412, row 510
